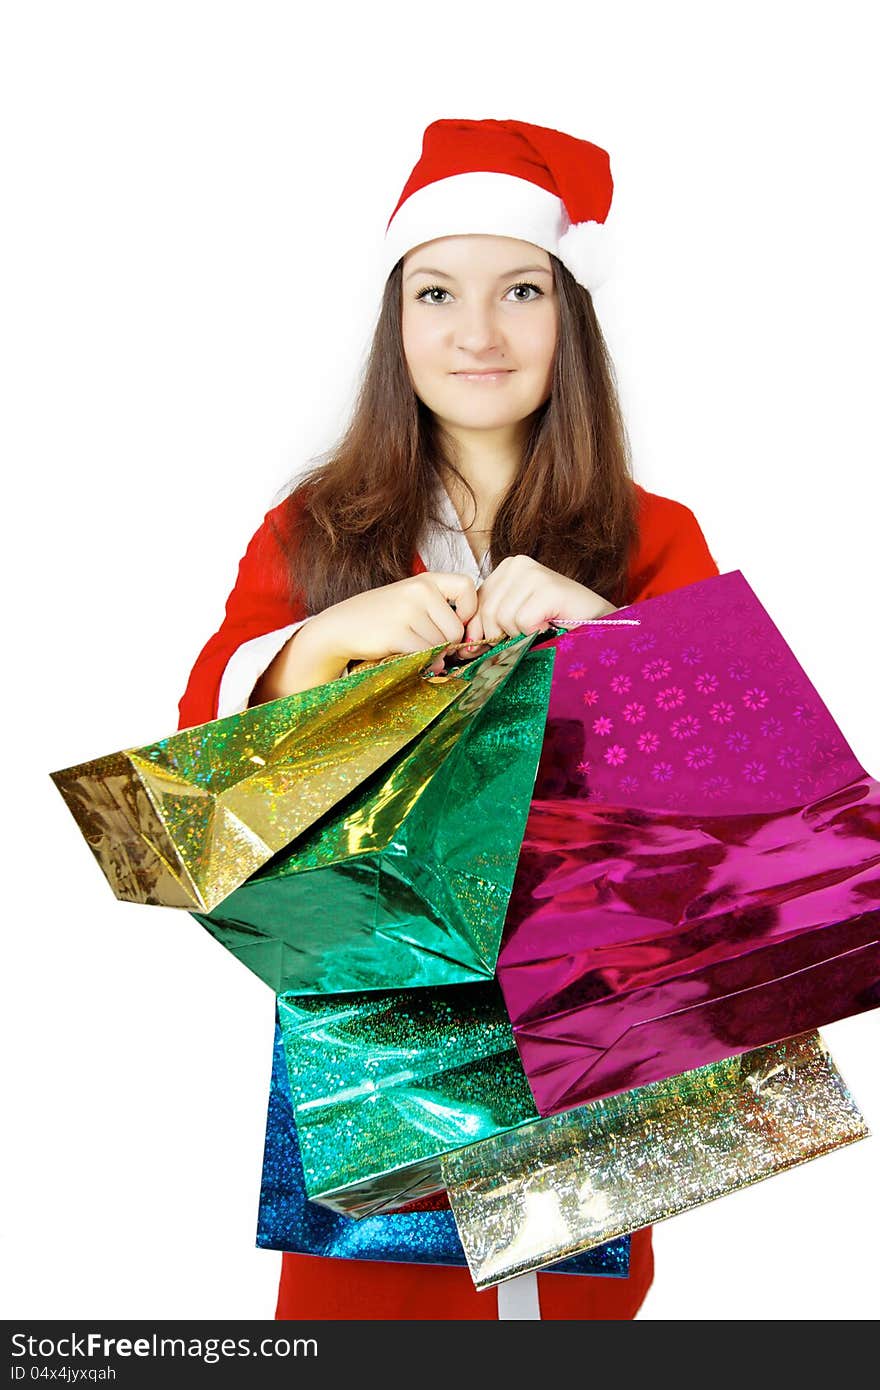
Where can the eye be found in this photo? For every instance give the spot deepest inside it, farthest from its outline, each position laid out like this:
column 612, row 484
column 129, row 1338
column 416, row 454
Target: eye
column 431, row 289
column 521, row 285
column 526, row 285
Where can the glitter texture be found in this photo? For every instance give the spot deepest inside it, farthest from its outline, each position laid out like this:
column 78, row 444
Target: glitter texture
column 407, row 881
column 575, row 1180
column 183, row 822
column 289, row 1221
column 385, row 1083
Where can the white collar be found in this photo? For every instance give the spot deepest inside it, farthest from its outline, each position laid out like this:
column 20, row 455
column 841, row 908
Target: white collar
column 447, row 549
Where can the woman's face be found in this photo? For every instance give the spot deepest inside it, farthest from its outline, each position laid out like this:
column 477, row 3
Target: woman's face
column 472, row 303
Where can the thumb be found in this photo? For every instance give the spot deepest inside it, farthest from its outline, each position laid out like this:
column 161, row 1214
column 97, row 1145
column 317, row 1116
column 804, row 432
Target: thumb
column 459, row 590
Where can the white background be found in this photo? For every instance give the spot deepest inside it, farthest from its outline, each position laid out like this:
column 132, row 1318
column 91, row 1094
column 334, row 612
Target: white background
column 195, row 196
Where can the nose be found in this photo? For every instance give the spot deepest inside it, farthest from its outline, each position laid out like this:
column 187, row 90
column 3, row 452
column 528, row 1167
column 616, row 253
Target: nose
column 477, row 329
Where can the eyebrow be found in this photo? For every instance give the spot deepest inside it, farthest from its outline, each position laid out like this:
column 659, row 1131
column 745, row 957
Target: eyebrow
column 521, row 270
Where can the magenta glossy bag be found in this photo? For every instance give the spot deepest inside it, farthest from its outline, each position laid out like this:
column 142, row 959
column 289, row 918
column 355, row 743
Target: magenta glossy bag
column 700, row 872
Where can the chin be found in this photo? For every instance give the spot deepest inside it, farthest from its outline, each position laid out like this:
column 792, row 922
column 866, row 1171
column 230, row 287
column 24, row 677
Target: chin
column 484, row 420
column 484, row 412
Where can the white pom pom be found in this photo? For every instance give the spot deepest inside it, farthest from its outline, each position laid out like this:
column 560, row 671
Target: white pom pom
column 588, row 250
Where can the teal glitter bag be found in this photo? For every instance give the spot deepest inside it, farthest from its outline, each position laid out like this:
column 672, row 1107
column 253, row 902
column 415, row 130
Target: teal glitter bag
column 289, row 1221
column 406, row 882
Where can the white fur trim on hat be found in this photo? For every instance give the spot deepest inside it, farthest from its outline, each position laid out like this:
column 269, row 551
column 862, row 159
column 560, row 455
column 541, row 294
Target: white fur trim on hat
column 499, row 205
column 465, row 204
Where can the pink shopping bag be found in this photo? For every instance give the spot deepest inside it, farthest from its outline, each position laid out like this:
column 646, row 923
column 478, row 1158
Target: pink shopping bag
column 700, row 873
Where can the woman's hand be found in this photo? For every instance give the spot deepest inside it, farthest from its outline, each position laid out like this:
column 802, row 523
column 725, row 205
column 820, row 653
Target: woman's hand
column 521, row 596
column 407, row 616
column 416, row 613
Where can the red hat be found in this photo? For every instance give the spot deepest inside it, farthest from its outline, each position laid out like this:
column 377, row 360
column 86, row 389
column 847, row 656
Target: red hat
column 507, row 178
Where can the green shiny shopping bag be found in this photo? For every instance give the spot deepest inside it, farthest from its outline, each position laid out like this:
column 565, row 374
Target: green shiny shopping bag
column 384, row 1084
column 406, row 882
column 399, row 1094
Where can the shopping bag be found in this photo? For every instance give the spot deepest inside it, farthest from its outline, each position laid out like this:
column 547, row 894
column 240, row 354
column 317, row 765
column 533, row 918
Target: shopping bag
column 561, row 1186
column 700, row 870
column 406, row 883
column 183, row 821
column 399, row 1096
column 289, row 1221
column 385, row 1082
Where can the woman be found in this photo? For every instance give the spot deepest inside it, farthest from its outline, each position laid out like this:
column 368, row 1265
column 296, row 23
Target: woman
column 482, row 489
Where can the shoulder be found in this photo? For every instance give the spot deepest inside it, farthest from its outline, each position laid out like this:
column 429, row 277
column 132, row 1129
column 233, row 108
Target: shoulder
column 266, row 557
column 670, row 549
column 658, row 515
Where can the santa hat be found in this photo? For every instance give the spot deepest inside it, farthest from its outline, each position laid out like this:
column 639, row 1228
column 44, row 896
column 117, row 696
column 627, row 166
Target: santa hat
column 507, row 178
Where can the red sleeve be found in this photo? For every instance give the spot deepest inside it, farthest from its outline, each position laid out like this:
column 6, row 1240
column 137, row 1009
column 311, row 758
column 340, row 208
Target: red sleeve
column 260, row 602
column 671, row 551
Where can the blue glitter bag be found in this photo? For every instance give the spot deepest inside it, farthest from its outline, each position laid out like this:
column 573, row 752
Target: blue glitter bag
column 289, row 1221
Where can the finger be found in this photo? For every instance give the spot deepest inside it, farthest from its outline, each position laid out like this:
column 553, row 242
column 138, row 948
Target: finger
column 529, row 603
column 468, row 650
column 429, row 632
column 509, row 612
column 458, row 589
column 419, row 636
column 442, row 616
column 473, row 633
column 492, row 599
column 533, row 615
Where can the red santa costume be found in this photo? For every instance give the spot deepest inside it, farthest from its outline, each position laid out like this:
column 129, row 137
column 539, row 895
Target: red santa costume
column 504, row 178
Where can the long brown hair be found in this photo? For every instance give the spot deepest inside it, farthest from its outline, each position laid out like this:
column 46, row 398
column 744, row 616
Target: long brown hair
column 354, row 521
